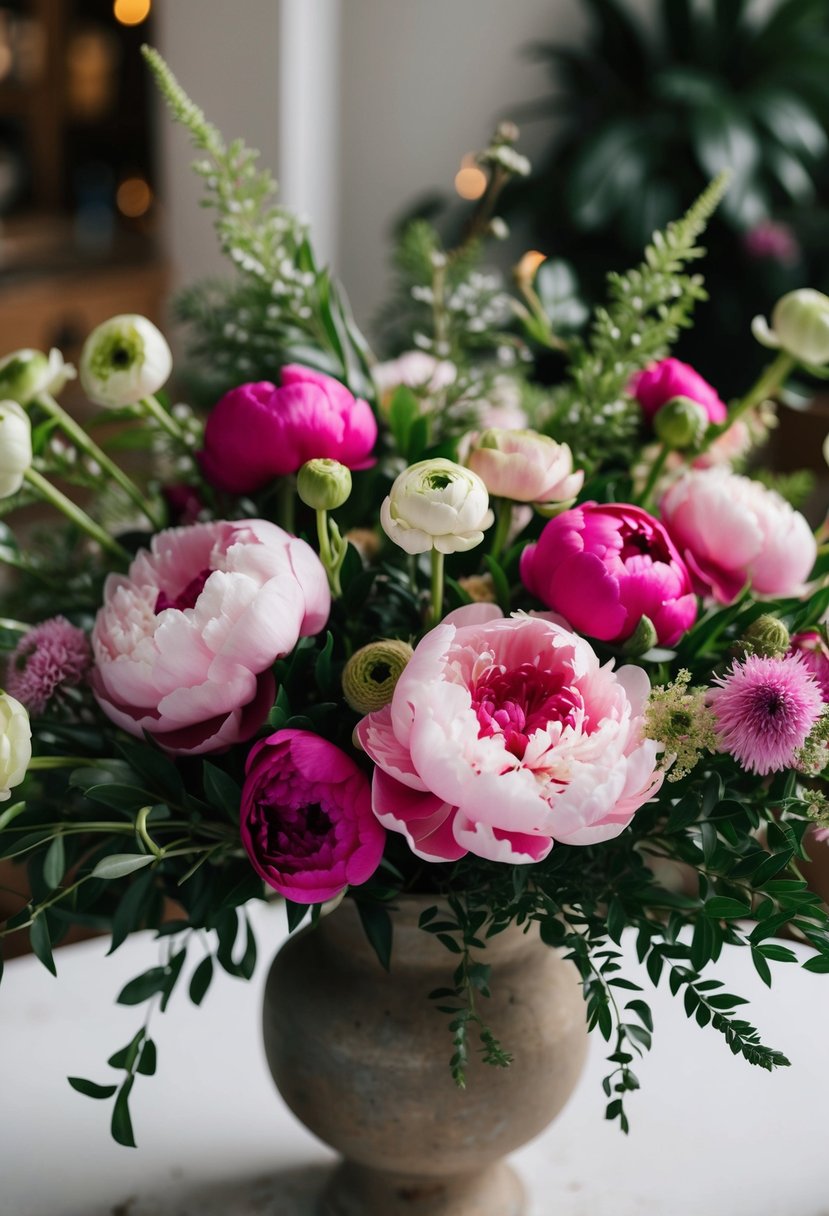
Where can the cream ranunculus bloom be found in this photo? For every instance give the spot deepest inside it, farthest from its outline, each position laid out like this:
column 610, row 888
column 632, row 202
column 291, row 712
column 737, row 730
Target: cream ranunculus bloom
column 124, row 360
column 15, row 744
column 15, row 447
column 436, row 504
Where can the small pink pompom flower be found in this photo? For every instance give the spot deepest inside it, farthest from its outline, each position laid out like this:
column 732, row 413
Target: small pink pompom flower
column 765, row 710
column 52, row 656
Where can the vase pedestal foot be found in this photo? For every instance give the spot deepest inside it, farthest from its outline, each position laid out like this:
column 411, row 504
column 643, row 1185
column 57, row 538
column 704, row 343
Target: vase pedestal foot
column 355, row 1190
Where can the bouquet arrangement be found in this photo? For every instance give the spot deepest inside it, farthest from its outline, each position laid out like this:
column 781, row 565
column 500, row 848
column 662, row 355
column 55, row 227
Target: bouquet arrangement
column 371, row 628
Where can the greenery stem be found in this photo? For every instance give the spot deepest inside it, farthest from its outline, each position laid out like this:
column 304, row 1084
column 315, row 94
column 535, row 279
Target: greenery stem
column 436, row 610
column 503, row 521
column 85, row 443
column 654, row 475
column 74, row 513
column 152, row 406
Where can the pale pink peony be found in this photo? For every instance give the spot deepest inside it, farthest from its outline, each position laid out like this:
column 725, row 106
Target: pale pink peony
column 732, row 531
column 524, row 466
column 505, row 735
column 185, row 642
column 306, row 819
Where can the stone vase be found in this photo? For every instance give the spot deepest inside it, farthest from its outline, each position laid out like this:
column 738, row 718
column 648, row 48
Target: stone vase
column 361, row 1056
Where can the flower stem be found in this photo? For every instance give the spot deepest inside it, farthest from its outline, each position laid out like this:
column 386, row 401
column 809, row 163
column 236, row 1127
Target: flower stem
column 654, row 474
column 74, row 513
column 436, row 611
column 86, row 444
column 503, row 518
column 164, row 418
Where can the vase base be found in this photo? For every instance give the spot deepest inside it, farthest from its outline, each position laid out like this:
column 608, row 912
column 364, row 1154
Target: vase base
column 355, row 1190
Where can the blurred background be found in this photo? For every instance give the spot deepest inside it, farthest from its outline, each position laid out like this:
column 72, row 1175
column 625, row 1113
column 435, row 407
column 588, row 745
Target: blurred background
column 369, row 112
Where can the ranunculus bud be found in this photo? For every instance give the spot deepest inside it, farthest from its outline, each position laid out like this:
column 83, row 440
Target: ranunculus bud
column 324, row 484
column 799, row 326
column 436, row 504
column 524, row 466
column 767, row 636
column 370, row 675
column 681, row 423
column 27, row 373
column 124, row 360
column 15, row 447
column 15, row 744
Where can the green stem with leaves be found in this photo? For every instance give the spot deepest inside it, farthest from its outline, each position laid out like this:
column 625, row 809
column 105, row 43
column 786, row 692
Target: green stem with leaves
column 74, row 513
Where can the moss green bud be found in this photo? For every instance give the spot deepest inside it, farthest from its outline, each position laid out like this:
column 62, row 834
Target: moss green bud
column 323, row 484
column 767, row 637
column 680, row 423
column 27, row 373
column 799, row 326
column 371, row 674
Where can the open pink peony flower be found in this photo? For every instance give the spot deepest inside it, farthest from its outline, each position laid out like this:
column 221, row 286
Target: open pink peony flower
column 505, row 735
column 306, row 819
column 731, row 531
column 257, row 432
column 604, row 567
column 669, row 378
column 184, row 643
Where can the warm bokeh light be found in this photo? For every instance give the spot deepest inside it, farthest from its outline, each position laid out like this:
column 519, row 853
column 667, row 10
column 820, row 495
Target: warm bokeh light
column 134, row 197
column 132, row 12
column 527, row 268
column 470, row 180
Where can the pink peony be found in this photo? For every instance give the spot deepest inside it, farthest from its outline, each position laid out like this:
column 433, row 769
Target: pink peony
column 50, row 657
column 814, row 652
column 184, row 643
column 605, row 567
column 524, row 466
column 732, row 531
column 669, row 378
column 258, row 432
column 306, row 817
column 765, row 710
column 505, row 735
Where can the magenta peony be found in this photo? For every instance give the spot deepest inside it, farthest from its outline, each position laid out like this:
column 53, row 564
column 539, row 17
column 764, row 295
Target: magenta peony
column 306, row 818
column 184, row 643
column 669, row 378
column 505, row 735
column 732, row 531
column 814, row 652
column 258, row 432
column 604, row 567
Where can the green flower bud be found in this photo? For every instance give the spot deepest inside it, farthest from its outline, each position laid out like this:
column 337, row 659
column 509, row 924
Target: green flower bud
column 767, row 637
column 324, row 484
column 799, row 326
column 371, row 674
column 680, row 423
column 26, row 373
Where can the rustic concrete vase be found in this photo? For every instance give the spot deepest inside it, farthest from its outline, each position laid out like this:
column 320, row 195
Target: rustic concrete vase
column 361, row 1056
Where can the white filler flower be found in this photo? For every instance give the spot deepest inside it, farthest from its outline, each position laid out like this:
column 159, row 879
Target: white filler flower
column 436, row 504
column 124, row 360
column 15, row 447
column 15, row 744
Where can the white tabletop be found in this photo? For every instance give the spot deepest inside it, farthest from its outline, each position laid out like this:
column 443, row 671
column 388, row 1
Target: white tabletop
column 710, row 1136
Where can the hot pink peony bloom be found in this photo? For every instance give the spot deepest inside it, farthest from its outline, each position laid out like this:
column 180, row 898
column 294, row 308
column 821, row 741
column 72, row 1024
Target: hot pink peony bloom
column 306, row 818
column 505, row 735
column 52, row 656
column 524, row 466
column 765, row 709
column 732, row 531
column 184, row 643
column 814, row 652
column 670, row 378
column 605, row 567
column 258, row 432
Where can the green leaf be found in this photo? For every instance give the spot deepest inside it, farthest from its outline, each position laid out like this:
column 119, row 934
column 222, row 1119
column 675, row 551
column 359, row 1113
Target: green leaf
column 121, row 1126
column 90, row 1089
column 41, row 941
column 201, row 979
column 54, row 863
column 119, row 865
column 377, row 926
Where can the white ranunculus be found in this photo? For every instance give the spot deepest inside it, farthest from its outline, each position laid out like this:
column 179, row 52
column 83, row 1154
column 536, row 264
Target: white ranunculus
column 25, row 374
column 15, row 447
column 124, row 360
column 799, row 326
column 436, row 504
column 15, row 744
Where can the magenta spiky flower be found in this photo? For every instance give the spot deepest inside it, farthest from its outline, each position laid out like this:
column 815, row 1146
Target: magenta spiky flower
column 765, row 709
column 52, row 656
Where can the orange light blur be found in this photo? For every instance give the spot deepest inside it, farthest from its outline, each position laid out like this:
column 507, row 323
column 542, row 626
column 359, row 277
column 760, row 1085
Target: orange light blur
column 134, row 197
column 131, row 12
column 470, row 180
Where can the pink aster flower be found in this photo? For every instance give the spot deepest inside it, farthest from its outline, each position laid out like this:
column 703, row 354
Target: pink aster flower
column 765, row 709
column 306, row 819
column 52, row 656
column 505, row 735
